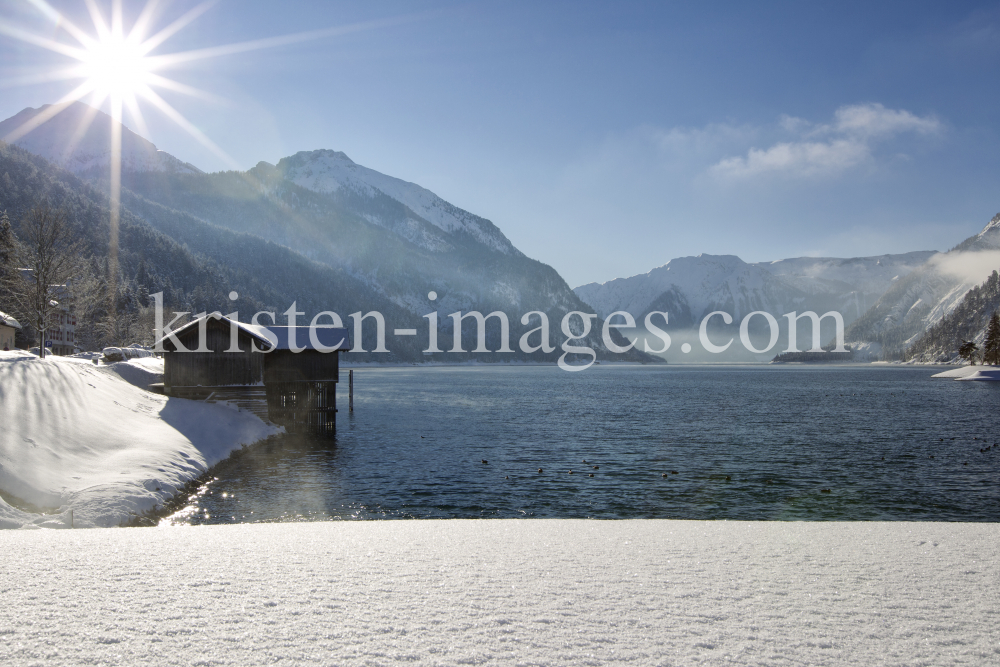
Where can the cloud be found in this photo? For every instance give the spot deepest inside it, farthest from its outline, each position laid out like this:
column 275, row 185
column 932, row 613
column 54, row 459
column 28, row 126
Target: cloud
column 826, row 149
column 874, row 120
column 805, row 158
column 970, row 267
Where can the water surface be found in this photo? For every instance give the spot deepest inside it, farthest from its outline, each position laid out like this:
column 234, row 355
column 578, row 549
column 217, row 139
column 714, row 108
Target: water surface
column 750, row 442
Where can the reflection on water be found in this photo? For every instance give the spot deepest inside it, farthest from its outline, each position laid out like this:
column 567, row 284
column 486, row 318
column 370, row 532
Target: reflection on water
column 668, row 442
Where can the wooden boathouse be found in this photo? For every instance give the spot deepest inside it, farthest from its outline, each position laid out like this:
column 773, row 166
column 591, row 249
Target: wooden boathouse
column 288, row 375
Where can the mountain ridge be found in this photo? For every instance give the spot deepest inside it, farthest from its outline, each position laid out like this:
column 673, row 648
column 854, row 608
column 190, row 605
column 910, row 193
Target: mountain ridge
column 78, row 139
column 921, row 299
column 697, row 285
column 357, row 230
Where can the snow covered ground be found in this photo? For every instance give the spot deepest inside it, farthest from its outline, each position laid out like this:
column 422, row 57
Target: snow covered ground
column 956, row 373
column 987, row 373
column 91, row 439
column 536, row 592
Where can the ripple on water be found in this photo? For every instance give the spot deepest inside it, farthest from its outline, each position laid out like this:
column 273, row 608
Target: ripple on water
column 414, row 448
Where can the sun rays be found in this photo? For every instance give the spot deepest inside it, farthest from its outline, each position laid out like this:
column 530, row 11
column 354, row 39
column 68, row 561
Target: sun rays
column 114, row 65
column 121, row 68
column 111, row 65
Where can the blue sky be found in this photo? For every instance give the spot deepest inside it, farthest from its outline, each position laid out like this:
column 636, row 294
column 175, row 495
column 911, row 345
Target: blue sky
column 607, row 138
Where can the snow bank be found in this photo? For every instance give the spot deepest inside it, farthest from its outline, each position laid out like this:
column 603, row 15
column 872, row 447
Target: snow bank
column 83, row 437
column 983, row 373
column 483, row 592
column 956, row 373
column 988, row 373
column 139, row 372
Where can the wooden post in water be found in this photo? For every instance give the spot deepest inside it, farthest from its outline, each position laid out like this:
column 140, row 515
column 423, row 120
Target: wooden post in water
column 350, row 390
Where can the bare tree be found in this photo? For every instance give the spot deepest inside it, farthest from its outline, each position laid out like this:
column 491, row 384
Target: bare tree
column 46, row 260
column 120, row 324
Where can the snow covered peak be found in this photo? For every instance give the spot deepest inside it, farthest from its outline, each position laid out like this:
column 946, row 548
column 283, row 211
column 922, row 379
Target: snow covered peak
column 990, row 236
column 327, row 171
column 727, row 282
column 78, row 139
column 703, row 281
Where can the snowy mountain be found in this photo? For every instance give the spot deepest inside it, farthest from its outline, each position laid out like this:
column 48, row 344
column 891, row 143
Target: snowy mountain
column 921, row 299
column 853, row 284
column 967, row 321
column 691, row 287
column 343, row 221
column 78, row 139
column 390, row 244
column 331, row 173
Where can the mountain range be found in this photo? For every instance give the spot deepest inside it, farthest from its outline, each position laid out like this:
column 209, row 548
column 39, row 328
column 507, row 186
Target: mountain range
column 692, row 287
column 917, row 302
column 315, row 228
column 331, row 234
column 887, row 302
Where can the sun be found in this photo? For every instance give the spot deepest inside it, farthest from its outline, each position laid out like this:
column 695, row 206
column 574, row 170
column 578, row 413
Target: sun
column 120, row 66
column 116, row 67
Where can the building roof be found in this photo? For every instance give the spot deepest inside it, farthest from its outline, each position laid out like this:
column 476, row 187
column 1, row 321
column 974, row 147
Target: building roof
column 9, row 321
column 328, row 338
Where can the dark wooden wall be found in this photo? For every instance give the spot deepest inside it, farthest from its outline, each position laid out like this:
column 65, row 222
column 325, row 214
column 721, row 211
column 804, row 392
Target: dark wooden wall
column 306, row 366
column 214, row 368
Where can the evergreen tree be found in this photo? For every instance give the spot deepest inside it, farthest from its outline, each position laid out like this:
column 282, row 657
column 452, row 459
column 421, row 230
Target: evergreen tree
column 991, row 346
column 7, row 245
column 968, row 351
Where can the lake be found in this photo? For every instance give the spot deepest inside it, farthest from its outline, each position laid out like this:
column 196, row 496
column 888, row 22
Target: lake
column 680, row 442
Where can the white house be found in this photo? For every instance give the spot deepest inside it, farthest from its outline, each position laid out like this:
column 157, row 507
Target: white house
column 8, row 326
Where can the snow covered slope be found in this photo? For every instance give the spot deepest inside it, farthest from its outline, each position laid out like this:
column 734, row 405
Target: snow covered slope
column 327, row 171
column 921, row 299
column 691, row 287
column 79, row 139
column 78, row 436
column 856, row 282
column 389, row 243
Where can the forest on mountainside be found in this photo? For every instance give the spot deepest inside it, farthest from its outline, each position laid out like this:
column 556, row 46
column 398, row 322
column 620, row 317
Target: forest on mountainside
column 197, row 264
column 968, row 322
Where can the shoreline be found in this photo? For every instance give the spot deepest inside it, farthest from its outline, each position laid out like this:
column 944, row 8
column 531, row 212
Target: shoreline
column 158, row 478
column 92, row 443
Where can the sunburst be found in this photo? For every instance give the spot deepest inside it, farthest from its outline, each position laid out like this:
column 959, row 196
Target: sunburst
column 118, row 66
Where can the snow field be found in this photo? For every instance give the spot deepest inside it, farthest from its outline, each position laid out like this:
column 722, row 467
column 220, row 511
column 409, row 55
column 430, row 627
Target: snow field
column 75, row 436
column 498, row 592
column 987, row 373
column 956, row 373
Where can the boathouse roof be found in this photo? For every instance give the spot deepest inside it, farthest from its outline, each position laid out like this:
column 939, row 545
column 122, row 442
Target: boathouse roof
column 270, row 338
